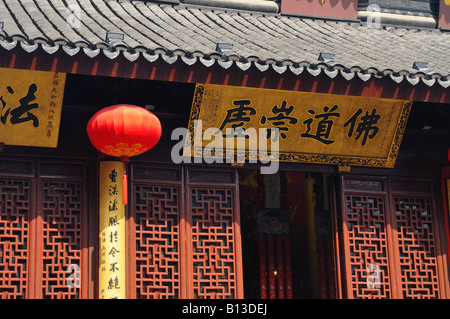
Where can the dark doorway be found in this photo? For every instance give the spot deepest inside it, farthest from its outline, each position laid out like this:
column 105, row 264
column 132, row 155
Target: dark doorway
column 287, row 247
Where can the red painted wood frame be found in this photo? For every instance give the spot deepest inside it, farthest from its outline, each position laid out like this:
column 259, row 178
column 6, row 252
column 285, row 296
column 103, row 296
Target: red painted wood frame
column 44, row 229
column 184, row 233
column 392, row 230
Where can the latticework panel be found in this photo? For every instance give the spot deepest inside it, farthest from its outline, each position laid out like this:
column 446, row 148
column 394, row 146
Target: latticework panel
column 368, row 250
column 14, row 237
column 416, row 245
column 157, row 241
column 392, row 244
column 213, row 255
column 61, row 239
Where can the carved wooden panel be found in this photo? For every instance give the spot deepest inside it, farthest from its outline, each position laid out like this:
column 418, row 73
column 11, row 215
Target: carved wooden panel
column 416, row 237
column 183, row 240
column 367, row 246
column 43, row 230
column 213, row 177
column 213, row 243
column 157, row 210
column 61, row 239
column 391, row 240
column 14, row 237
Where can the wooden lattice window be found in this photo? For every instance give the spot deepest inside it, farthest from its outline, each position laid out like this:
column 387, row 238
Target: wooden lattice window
column 184, row 239
column 43, row 229
column 157, row 237
column 366, row 235
column 212, row 246
column 14, row 237
column 391, row 239
column 60, row 248
column 417, row 247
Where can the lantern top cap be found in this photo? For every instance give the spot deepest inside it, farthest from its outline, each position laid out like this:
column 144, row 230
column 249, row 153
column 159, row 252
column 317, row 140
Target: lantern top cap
column 124, row 107
column 116, row 106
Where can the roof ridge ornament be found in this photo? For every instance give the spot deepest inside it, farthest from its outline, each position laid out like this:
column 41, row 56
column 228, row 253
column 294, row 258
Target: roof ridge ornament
column 269, row 6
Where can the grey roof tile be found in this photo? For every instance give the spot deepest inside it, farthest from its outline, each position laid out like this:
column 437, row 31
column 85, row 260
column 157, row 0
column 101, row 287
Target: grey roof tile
column 27, row 26
column 58, row 13
column 142, row 33
column 192, row 31
column 42, row 21
column 11, row 29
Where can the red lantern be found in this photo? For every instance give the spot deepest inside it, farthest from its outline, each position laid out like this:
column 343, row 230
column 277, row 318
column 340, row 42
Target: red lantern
column 124, row 131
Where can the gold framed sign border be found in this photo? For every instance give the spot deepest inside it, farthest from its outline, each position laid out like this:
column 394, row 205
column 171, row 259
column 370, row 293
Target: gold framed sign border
column 343, row 160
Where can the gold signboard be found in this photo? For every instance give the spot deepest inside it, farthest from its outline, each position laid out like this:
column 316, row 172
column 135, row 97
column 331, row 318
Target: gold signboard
column 312, row 127
column 30, row 107
column 112, row 253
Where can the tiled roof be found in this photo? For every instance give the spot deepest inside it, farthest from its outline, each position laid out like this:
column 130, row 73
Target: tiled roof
column 190, row 33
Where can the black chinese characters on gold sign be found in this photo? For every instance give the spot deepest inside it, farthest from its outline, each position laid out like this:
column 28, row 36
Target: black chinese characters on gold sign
column 309, row 127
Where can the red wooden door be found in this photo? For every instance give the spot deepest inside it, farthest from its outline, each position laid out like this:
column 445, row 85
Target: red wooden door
column 44, row 229
column 184, row 236
column 391, row 238
column 154, row 232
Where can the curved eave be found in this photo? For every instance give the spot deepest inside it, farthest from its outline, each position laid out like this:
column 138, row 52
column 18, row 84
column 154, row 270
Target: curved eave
column 212, row 58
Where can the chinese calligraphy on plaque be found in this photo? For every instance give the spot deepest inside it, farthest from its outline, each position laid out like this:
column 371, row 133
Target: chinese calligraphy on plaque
column 311, row 127
column 30, row 107
column 111, row 232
